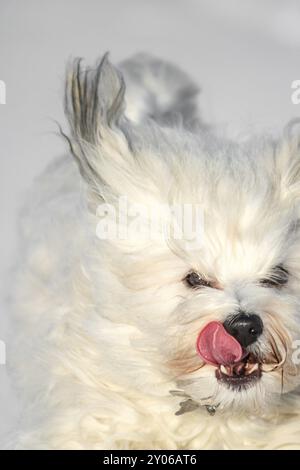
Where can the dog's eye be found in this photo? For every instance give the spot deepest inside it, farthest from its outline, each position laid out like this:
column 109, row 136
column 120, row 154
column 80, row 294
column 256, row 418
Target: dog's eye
column 194, row 280
column 278, row 278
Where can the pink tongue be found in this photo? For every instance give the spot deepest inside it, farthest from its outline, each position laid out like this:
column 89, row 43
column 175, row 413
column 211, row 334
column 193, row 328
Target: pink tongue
column 217, row 347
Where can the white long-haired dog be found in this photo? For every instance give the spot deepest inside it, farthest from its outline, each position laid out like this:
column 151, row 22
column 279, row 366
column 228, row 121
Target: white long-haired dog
column 139, row 328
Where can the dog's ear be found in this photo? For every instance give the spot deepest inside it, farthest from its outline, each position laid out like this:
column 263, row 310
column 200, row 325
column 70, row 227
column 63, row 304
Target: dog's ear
column 94, row 105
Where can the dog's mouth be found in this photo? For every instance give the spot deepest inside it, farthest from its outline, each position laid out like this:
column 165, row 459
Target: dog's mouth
column 241, row 375
column 237, row 368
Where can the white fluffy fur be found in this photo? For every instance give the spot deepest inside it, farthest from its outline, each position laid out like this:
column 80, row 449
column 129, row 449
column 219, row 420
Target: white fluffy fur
column 105, row 329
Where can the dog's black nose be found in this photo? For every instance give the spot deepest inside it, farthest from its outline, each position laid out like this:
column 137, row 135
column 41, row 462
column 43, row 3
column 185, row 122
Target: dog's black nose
column 244, row 327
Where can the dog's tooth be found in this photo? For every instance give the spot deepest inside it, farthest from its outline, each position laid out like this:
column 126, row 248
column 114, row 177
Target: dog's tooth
column 251, row 368
column 223, row 369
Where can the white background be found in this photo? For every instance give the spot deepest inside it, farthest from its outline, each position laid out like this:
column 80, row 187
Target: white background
column 245, row 54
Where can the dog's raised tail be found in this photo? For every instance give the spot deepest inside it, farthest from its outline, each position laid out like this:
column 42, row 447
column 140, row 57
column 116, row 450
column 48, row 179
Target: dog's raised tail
column 160, row 90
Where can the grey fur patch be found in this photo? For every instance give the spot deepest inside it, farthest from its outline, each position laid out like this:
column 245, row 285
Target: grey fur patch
column 166, row 93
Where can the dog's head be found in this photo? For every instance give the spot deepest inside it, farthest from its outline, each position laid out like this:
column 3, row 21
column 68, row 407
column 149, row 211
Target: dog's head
column 217, row 302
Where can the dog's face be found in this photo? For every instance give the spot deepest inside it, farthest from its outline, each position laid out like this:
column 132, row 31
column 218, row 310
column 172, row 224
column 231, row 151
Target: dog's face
column 245, row 277
column 235, row 290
